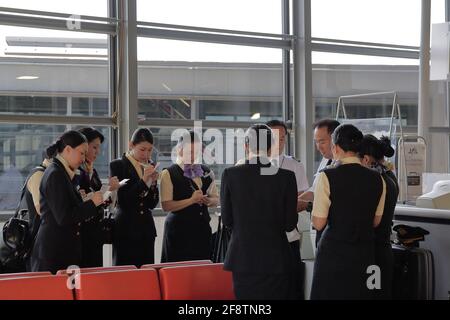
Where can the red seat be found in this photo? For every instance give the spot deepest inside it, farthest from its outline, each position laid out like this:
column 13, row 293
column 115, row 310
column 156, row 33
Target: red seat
column 197, row 282
column 100, row 269
column 35, row 288
column 118, row 285
column 25, row 274
column 174, row 264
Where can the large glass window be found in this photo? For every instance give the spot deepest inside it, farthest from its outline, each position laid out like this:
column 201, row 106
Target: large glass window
column 248, row 15
column 381, row 21
column 38, row 74
column 220, row 82
column 33, row 105
column 21, row 149
column 176, row 51
column 357, row 59
column 81, row 7
column 333, row 81
column 252, row 111
column 165, row 108
column 47, row 72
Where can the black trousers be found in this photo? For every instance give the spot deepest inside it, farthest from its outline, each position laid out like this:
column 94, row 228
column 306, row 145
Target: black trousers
column 298, row 273
column 262, row 286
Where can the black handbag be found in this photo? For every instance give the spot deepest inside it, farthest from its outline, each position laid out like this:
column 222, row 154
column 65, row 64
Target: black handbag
column 16, row 241
column 221, row 240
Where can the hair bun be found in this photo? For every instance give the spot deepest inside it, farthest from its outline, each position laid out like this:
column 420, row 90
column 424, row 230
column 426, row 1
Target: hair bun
column 387, row 148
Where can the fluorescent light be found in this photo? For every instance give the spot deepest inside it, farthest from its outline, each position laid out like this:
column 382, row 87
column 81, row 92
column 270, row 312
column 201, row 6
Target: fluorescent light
column 256, row 116
column 166, row 87
column 27, row 78
column 52, row 42
column 185, row 103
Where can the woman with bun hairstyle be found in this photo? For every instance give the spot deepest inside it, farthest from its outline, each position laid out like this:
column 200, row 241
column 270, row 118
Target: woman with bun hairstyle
column 348, row 205
column 134, row 228
column 188, row 190
column 372, row 155
column 58, row 242
column 89, row 181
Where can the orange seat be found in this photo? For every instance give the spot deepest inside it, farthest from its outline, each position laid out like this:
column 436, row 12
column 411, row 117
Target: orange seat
column 100, row 269
column 174, row 264
column 118, row 285
column 197, row 282
column 25, row 274
column 35, row 288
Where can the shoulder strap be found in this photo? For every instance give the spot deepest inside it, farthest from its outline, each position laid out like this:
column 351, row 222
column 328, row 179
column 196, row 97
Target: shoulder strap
column 206, row 180
column 24, row 188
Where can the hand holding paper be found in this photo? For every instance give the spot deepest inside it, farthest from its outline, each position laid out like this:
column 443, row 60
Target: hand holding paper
column 123, row 182
column 105, row 192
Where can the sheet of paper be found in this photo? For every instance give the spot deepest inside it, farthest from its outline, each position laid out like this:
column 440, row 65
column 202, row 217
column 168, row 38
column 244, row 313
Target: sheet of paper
column 88, row 197
column 104, row 188
column 123, row 182
column 106, row 195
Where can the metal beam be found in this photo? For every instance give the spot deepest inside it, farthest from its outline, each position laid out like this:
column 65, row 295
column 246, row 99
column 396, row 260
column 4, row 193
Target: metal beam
column 112, row 73
column 303, row 102
column 55, row 55
column 424, row 117
column 56, row 120
column 365, row 44
column 55, row 42
column 368, row 51
column 447, row 10
column 214, row 30
column 127, row 77
column 56, row 24
column 188, row 123
column 439, row 130
column 56, row 14
column 286, row 61
column 213, row 38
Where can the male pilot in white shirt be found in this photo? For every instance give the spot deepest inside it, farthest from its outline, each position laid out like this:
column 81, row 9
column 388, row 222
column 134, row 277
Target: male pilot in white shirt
column 278, row 157
column 323, row 130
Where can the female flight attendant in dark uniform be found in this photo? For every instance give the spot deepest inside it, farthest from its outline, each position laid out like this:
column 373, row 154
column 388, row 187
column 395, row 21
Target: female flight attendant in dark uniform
column 89, row 181
column 348, row 203
column 372, row 155
column 58, row 242
column 134, row 228
column 187, row 190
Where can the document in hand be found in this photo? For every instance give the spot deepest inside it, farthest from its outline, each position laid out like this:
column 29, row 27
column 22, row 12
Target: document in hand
column 123, row 182
column 105, row 191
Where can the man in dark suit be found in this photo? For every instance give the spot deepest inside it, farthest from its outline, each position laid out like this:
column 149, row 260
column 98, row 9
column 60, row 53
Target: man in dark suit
column 259, row 204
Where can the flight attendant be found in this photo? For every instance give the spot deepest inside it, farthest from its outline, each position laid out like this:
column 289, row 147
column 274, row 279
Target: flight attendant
column 89, row 181
column 58, row 242
column 134, row 230
column 348, row 203
column 372, row 154
column 188, row 189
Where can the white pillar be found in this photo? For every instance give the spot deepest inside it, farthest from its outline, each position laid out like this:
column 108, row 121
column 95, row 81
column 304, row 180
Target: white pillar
column 303, row 105
column 424, row 118
column 127, row 88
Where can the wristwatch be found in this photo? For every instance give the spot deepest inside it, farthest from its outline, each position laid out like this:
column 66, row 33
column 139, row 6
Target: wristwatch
column 309, row 206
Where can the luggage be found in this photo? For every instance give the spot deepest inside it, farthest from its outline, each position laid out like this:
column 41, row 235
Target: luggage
column 413, row 277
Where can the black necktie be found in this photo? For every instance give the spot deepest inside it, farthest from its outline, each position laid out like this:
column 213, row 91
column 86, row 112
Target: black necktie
column 329, row 162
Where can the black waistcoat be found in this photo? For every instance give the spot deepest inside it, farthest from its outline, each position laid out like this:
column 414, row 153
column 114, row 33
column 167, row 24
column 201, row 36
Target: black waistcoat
column 383, row 231
column 355, row 192
column 183, row 188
